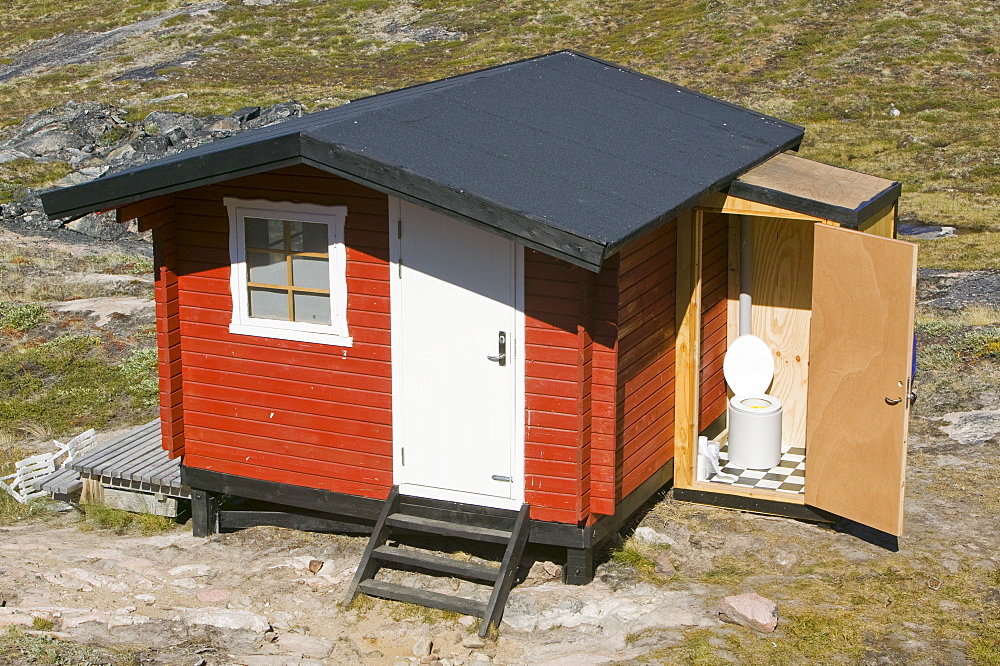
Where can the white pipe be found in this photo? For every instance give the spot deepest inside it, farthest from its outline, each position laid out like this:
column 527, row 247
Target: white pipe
column 746, row 275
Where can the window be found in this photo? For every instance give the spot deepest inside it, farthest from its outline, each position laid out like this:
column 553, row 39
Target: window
column 288, row 276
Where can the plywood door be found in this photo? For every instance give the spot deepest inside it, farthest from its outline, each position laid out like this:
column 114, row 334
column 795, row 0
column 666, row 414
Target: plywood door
column 861, row 346
column 456, row 294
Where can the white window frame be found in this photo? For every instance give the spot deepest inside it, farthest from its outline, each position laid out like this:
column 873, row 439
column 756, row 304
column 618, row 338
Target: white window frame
column 334, row 333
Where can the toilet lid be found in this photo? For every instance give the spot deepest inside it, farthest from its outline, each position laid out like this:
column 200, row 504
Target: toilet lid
column 748, row 366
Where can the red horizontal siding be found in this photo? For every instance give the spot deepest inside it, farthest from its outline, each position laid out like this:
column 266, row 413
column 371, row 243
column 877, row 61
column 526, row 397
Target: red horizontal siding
column 309, row 414
column 714, row 316
column 645, row 383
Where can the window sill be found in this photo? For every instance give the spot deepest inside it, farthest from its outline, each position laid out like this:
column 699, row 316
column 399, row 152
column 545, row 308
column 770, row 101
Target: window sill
column 282, row 332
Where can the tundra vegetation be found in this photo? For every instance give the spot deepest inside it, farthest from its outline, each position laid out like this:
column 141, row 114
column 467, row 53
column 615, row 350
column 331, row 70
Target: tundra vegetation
column 834, row 67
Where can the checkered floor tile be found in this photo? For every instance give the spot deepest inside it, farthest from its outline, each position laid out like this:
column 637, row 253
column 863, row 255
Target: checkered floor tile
column 788, row 477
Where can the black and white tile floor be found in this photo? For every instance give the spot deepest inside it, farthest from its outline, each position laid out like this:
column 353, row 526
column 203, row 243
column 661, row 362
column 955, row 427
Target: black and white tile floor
column 788, row 477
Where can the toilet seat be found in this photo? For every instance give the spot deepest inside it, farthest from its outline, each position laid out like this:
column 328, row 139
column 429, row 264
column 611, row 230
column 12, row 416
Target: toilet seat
column 748, row 366
column 767, row 404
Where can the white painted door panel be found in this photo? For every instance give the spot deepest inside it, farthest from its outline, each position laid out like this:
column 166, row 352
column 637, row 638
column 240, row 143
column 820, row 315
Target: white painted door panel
column 456, row 293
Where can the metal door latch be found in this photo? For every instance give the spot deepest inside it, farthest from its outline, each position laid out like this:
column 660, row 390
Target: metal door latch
column 501, row 358
column 500, row 477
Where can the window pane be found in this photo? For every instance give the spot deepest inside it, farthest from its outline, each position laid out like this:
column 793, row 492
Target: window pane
column 268, row 303
column 309, row 237
column 312, row 308
column 310, row 272
column 267, row 268
column 265, row 234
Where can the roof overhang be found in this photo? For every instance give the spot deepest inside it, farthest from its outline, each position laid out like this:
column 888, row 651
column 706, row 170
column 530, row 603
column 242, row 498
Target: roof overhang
column 812, row 188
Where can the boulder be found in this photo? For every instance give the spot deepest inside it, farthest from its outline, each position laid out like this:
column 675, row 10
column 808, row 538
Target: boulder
column 750, row 610
column 50, row 142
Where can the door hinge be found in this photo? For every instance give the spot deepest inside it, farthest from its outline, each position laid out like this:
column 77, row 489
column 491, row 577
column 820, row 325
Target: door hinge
column 402, row 457
column 501, row 477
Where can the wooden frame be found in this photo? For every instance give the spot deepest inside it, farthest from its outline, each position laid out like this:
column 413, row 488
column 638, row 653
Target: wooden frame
column 334, row 217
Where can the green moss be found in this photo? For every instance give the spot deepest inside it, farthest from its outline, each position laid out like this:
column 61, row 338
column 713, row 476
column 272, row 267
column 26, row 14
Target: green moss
column 20, row 174
column 74, row 382
column 21, row 317
column 104, row 517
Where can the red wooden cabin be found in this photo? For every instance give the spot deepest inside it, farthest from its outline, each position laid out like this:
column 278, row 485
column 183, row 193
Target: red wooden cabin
column 510, row 287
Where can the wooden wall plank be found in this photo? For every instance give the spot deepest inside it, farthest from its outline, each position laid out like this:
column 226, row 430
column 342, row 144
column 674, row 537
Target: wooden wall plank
column 644, row 393
column 782, row 304
column 688, row 315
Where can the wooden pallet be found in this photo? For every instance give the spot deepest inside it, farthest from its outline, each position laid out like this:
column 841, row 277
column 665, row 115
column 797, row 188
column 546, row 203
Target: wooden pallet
column 394, row 520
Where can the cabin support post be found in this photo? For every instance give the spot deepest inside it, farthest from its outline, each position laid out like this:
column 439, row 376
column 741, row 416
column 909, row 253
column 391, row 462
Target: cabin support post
column 579, row 567
column 204, row 513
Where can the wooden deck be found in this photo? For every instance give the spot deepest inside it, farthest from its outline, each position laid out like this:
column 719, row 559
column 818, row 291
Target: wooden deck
column 135, row 461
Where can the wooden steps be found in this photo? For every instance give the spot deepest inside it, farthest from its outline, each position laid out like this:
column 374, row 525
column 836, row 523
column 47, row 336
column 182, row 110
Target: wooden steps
column 394, row 520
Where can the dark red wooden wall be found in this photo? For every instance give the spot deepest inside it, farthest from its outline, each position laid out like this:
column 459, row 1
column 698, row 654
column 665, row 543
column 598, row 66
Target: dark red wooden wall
column 646, row 341
column 714, row 316
column 570, row 337
column 301, row 413
column 598, row 373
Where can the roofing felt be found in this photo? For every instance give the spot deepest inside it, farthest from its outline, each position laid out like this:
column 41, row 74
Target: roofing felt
column 565, row 153
column 814, row 188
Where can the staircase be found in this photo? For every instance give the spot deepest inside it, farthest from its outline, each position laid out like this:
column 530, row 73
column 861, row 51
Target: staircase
column 397, row 518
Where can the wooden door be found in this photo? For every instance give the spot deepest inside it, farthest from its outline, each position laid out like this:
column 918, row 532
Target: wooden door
column 455, row 395
column 861, row 342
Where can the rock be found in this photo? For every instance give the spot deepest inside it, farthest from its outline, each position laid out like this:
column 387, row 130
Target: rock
column 649, row 535
column 423, row 646
column 663, row 565
column 10, row 155
column 10, row 617
column 223, row 124
column 473, row 642
column 710, row 541
column 315, row 565
column 165, row 122
column 227, row 618
column 147, row 599
column 467, row 620
column 552, row 569
column 454, row 637
column 246, row 114
column 192, row 570
column 750, row 610
column 212, row 595
column 48, row 143
column 307, row 646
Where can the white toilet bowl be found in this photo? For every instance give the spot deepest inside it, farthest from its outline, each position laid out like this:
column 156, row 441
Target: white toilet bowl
column 754, row 416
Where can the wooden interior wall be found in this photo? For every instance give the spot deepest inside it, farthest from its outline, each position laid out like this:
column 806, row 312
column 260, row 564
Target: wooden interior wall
column 646, row 341
column 782, row 301
column 882, row 223
column 567, row 387
column 306, row 414
column 714, row 317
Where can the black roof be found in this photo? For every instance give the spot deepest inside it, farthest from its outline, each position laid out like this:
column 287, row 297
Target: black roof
column 566, row 153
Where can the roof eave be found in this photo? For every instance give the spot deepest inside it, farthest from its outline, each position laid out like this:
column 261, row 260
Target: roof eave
column 120, row 189
column 852, row 218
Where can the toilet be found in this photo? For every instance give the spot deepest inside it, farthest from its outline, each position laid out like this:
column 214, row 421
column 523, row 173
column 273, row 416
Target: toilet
column 754, row 416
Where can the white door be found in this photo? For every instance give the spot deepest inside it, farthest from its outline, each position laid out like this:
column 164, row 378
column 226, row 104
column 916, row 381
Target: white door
column 456, row 370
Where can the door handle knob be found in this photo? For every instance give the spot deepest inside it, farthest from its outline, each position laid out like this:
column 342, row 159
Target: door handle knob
column 501, row 357
column 893, row 401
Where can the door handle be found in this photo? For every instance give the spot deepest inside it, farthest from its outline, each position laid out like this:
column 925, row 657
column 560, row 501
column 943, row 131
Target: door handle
column 500, row 358
column 893, row 401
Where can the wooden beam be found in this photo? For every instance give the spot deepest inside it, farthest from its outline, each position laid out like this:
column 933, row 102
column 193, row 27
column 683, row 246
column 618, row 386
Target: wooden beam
column 721, row 202
column 688, row 349
column 129, row 212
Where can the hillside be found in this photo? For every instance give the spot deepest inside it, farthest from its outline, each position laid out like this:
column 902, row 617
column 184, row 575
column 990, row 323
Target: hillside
column 833, row 66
